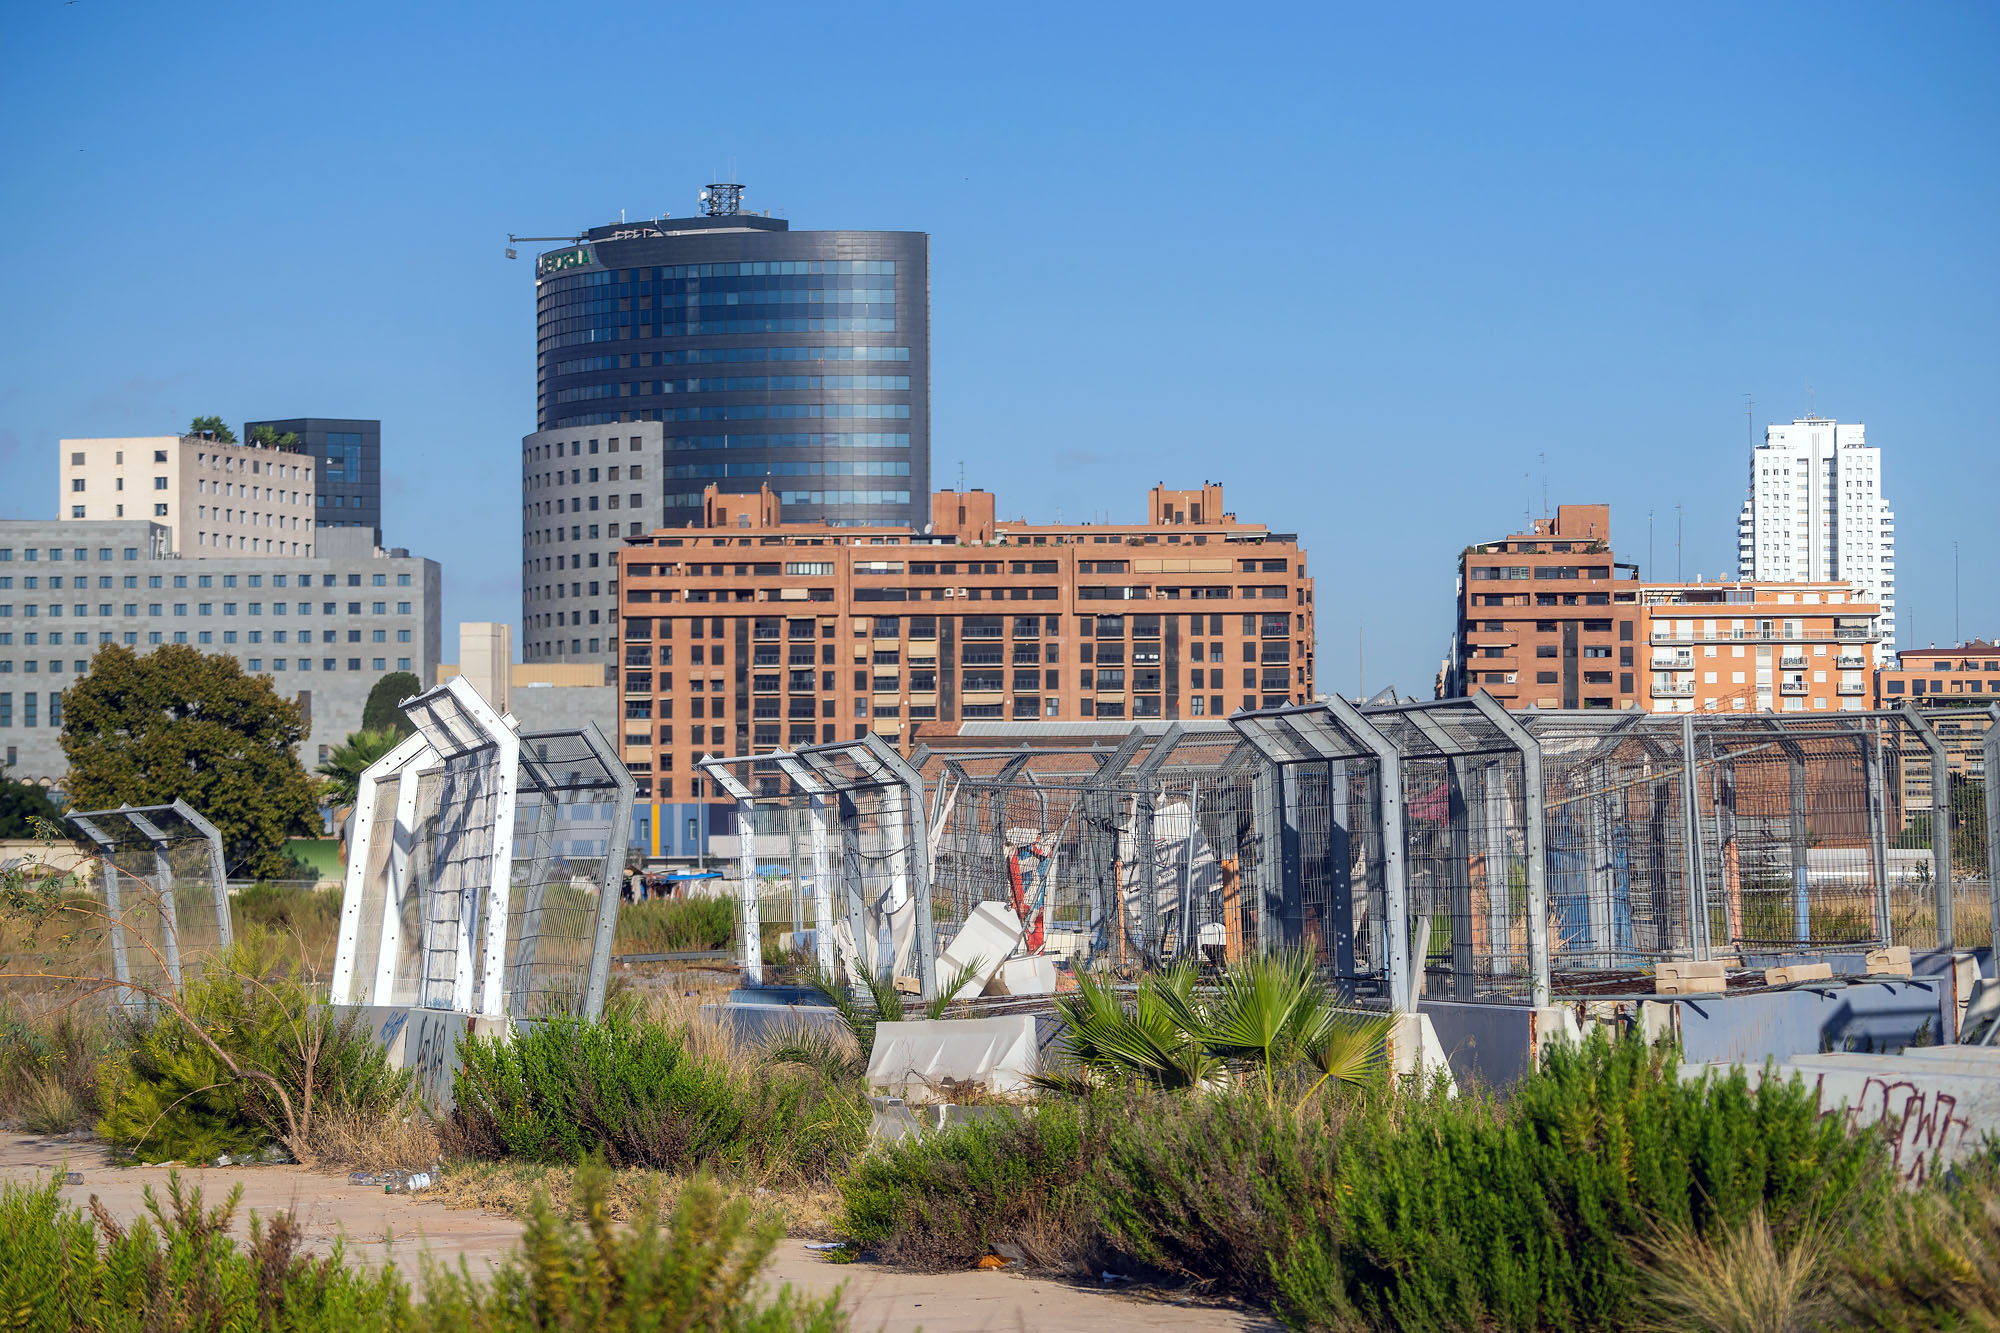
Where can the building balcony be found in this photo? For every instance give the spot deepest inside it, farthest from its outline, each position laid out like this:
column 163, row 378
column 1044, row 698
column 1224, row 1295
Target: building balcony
column 1853, row 690
column 1851, row 662
column 1670, row 663
column 1793, row 662
column 1853, row 634
column 1793, row 687
column 1675, row 691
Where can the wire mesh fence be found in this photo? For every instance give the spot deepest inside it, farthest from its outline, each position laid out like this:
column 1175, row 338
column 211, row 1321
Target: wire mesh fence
column 1446, row 850
column 483, row 872
column 165, row 908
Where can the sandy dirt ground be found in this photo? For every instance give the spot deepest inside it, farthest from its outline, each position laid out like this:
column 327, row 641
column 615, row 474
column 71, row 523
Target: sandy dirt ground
column 399, row 1228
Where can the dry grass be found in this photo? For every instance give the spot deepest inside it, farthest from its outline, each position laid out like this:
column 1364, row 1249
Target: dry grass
column 350, row 1141
column 1739, row 1281
column 510, row 1187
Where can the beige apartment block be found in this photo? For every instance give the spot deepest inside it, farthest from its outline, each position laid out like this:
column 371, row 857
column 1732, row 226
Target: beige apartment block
column 1759, row 646
column 218, row 499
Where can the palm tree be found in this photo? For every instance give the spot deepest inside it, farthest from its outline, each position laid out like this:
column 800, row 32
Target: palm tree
column 1270, row 1017
column 344, row 767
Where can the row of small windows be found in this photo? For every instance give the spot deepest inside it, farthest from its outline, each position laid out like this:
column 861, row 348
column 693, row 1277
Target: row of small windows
column 678, row 443
column 738, row 384
column 694, row 501
column 82, row 581
column 774, row 268
column 32, row 639
column 756, row 411
column 674, row 295
column 572, row 332
column 866, row 467
column 697, row 356
column 33, row 610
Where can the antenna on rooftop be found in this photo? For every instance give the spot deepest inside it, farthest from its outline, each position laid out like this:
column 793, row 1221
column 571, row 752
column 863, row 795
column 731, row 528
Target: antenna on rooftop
column 1544, row 458
column 722, row 200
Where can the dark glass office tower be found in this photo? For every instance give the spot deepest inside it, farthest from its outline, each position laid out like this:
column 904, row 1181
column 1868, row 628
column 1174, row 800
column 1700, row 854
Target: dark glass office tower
column 798, row 358
column 350, row 467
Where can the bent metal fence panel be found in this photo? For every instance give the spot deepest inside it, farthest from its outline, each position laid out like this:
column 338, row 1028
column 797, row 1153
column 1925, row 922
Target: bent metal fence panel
column 460, row 896
column 164, row 892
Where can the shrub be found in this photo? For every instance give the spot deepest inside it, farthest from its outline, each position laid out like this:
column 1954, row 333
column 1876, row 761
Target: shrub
column 49, row 1068
column 1466, row 1214
column 1018, row 1175
column 635, row 1092
column 698, row 1271
column 176, row 1269
column 1933, row 1264
column 171, row 1097
column 1736, row 1280
column 1209, row 1187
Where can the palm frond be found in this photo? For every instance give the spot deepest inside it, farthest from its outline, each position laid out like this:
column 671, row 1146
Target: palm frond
column 965, row 976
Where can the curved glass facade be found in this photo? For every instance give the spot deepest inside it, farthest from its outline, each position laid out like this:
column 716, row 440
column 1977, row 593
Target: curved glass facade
column 826, row 336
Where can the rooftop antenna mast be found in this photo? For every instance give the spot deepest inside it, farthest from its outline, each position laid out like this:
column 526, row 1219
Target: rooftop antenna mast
column 722, row 200
column 1544, row 458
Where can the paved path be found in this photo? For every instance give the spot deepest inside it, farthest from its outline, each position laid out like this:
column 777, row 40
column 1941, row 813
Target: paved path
column 399, row 1227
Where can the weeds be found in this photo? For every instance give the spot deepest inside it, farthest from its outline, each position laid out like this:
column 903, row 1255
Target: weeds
column 676, row 925
column 178, row 1268
column 640, row 1095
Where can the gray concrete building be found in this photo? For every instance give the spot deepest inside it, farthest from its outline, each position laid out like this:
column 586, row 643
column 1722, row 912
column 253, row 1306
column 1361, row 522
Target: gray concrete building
column 323, row 627
column 592, row 487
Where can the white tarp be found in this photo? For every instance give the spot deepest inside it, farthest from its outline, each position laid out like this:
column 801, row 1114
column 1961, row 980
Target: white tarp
column 928, row 1056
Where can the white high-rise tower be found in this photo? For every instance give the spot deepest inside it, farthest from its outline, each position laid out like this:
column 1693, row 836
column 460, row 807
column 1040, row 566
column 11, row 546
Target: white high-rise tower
column 1816, row 512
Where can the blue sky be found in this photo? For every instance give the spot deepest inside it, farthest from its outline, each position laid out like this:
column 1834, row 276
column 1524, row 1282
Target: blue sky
column 1377, row 272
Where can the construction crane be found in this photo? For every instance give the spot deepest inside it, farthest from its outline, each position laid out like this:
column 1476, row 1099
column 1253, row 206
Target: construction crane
column 513, row 240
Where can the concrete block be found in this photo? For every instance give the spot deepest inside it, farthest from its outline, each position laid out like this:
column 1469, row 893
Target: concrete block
column 933, row 1058
column 1033, row 975
column 1415, row 1052
column 988, row 938
column 1793, row 973
column 1893, row 961
column 1689, row 978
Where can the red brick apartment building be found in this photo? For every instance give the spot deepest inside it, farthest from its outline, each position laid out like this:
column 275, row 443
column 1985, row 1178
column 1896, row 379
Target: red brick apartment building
column 750, row 634
column 1539, row 625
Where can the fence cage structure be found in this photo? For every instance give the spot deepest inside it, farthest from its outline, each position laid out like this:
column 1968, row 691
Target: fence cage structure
column 456, row 897
column 1445, row 850
column 164, row 891
column 1127, row 853
column 864, row 812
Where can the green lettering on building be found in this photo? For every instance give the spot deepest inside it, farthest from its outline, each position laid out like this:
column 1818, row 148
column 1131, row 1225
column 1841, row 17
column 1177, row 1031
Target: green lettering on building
column 562, row 259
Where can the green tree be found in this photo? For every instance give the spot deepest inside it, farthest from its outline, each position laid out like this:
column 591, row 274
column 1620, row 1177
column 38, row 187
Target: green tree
column 270, row 437
column 212, row 426
column 178, row 723
column 21, row 804
column 383, row 711
column 344, row 767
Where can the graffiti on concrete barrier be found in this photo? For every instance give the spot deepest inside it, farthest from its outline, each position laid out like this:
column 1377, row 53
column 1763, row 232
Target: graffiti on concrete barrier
column 1925, row 1126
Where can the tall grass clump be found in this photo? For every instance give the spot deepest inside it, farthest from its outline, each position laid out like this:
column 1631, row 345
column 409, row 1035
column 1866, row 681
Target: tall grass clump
column 49, row 1068
column 676, row 925
column 640, row 1094
column 1463, row 1213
